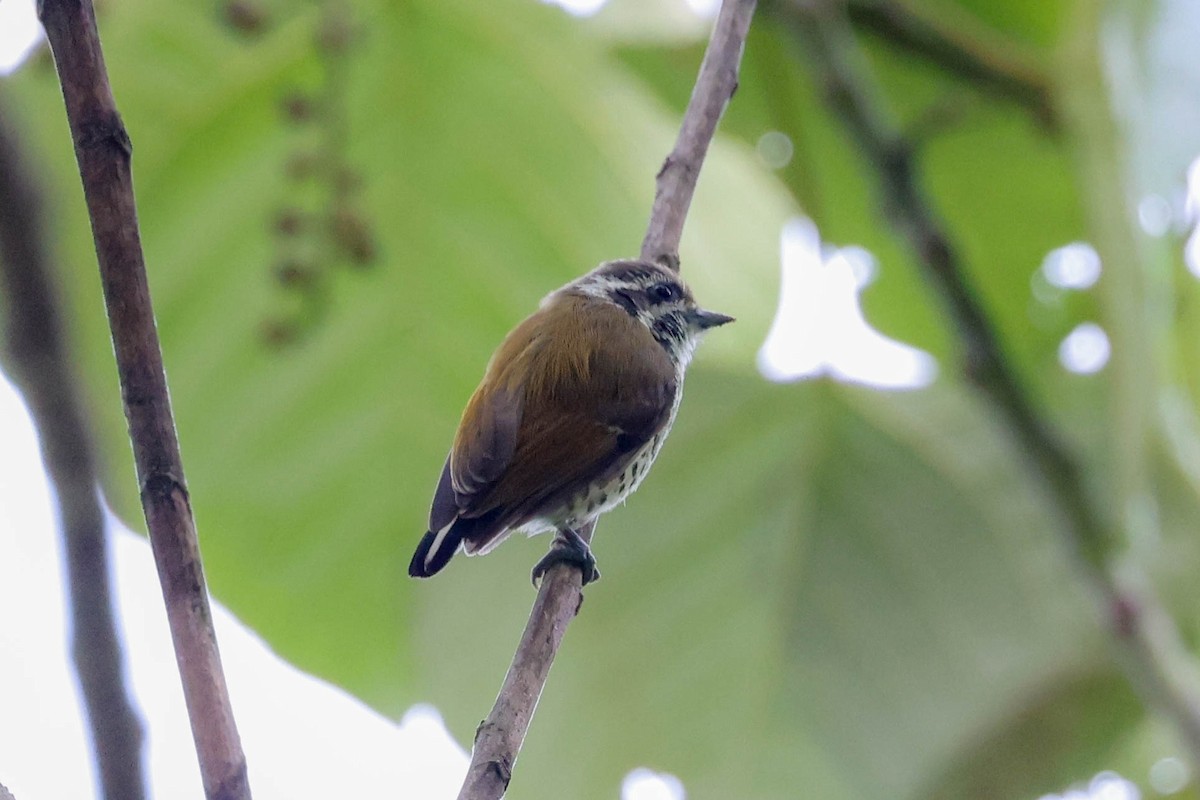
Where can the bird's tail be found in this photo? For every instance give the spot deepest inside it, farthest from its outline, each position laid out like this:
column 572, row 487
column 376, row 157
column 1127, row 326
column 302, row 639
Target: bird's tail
column 435, row 551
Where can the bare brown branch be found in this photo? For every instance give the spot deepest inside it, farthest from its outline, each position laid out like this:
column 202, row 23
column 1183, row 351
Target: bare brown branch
column 715, row 85
column 499, row 737
column 40, row 366
column 103, row 149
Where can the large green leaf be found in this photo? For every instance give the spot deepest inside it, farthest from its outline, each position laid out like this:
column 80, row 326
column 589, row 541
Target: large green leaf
column 872, row 566
column 1001, row 183
column 822, row 591
column 511, row 158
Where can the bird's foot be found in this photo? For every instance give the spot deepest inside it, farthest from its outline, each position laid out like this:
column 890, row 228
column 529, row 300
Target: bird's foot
column 568, row 548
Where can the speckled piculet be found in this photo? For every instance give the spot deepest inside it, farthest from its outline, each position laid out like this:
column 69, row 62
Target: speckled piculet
column 572, row 410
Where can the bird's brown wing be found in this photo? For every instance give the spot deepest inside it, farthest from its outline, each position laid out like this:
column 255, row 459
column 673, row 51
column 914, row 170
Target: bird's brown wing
column 592, row 396
column 483, row 449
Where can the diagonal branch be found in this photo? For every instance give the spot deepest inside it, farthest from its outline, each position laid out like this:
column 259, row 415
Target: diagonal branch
column 840, row 69
column 102, row 149
column 1148, row 644
column 993, row 66
column 40, row 366
column 499, row 737
column 715, row 85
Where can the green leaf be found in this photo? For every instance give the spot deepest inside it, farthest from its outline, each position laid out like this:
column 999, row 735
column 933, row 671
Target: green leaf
column 822, row 590
column 513, row 157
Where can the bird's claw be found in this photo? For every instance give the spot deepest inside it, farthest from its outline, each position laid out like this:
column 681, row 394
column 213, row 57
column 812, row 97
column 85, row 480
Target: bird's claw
column 568, row 548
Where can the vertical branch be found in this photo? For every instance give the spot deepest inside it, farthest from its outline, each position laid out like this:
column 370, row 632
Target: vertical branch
column 499, row 737
column 40, row 364
column 1148, row 644
column 715, row 85
column 102, row 149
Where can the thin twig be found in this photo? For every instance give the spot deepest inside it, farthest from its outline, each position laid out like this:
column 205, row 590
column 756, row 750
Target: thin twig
column 41, row 368
column 991, row 66
column 1148, row 644
column 103, row 150
column 499, row 738
column 840, row 69
column 715, row 85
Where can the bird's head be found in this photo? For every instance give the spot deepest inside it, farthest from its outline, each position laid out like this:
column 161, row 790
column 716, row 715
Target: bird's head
column 656, row 297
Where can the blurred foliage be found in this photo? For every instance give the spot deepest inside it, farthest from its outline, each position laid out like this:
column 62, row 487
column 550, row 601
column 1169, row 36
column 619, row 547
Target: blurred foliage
column 823, row 590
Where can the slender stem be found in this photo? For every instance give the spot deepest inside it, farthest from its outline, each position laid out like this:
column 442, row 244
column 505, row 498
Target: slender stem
column 40, row 363
column 841, row 72
column 1148, row 644
column 990, row 64
column 715, row 85
column 102, row 149
column 499, row 737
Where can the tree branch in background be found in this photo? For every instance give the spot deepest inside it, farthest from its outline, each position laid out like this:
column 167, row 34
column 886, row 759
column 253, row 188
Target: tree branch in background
column 499, row 737
column 41, row 368
column 988, row 65
column 715, row 85
column 1148, row 645
column 102, row 149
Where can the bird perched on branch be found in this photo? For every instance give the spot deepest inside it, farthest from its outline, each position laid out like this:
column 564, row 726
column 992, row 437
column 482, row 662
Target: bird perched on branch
column 573, row 408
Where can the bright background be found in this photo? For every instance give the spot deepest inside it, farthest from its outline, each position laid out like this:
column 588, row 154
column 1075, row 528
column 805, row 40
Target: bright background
column 287, row 717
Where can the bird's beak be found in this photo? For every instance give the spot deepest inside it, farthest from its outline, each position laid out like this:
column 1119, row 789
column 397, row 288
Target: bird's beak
column 708, row 319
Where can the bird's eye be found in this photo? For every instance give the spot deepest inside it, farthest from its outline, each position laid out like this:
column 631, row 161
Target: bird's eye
column 664, row 292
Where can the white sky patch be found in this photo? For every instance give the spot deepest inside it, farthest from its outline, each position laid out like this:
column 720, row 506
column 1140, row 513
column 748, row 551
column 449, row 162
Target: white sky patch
column 1104, row 786
column 819, row 328
column 646, row 784
column 578, row 8
column 1191, row 252
column 285, row 717
column 1191, row 207
column 1085, row 350
column 1155, row 215
column 1191, row 202
column 704, row 8
column 20, row 33
column 1072, row 266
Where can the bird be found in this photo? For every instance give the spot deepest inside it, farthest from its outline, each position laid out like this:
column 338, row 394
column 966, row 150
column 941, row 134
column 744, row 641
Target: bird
column 573, row 408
